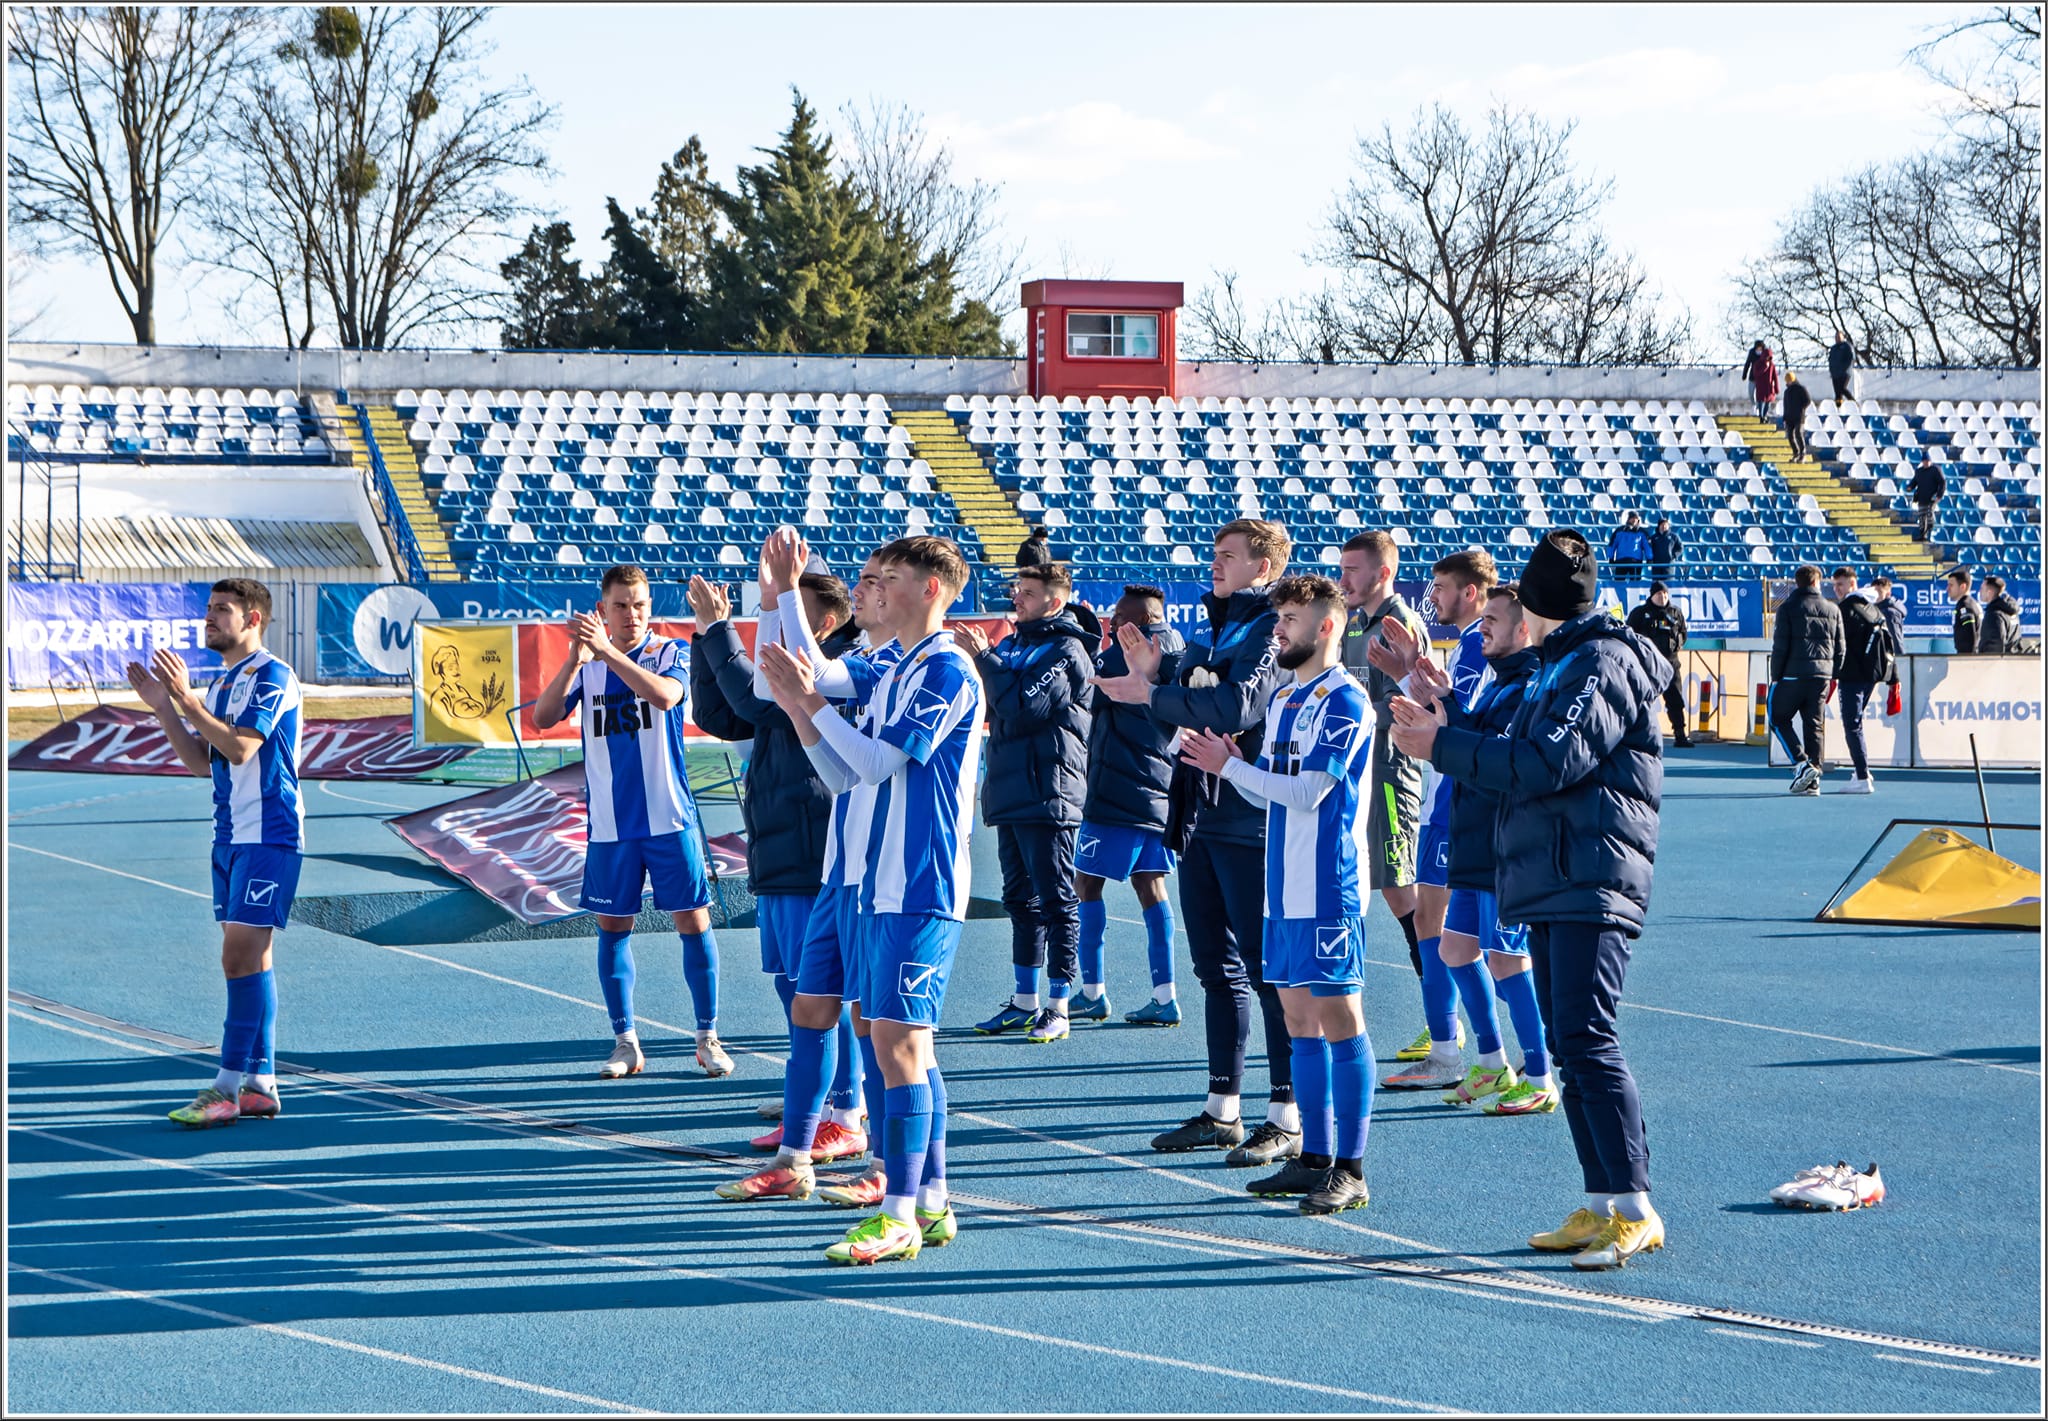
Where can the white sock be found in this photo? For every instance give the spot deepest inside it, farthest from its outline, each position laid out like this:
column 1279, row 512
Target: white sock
column 227, row 1082
column 847, row 1119
column 900, row 1207
column 932, row 1198
column 1635, row 1205
column 1163, row 995
column 786, row 1158
column 1287, row 1115
column 266, row 1084
column 1221, row 1107
column 1024, row 1001
column 1601, row 1204
column 1445, row 1053
column 629, row 1037
column 1092, row 991
column 1493, row 1060
column 1541, row 1082
column 706, row 1033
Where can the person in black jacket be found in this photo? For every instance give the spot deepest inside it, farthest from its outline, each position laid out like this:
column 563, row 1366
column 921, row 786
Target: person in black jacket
column 1797, row 402
column 1224, row 681
column 1036, row 685
column 1666, row 548
column 1661, row 622
column 2001, row 631
column 1867, row 662
column 1894, row 613
column 1034, row 551
column 1123, row 822
column 1575, row 841
column 1841, row 360
column 1969, row 614
column 1806, row 657
column 1928, row 488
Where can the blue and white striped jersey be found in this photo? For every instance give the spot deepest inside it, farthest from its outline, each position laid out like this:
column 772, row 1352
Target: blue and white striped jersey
column 928, row 705
column 1320, row 726
column 846, row 832
column 1471, row 674
column 633, row 753
column 257, row 801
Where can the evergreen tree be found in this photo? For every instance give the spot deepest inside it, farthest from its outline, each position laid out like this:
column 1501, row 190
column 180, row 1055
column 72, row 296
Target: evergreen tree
column 683, row 227
column 552, row 303
column 645, row 305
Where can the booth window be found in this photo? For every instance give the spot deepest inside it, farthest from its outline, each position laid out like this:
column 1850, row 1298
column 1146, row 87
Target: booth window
column 1100, row 334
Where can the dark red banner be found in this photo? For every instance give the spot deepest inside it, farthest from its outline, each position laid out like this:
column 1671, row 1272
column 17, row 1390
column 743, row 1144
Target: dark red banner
column 113, row 740
column 522, row 846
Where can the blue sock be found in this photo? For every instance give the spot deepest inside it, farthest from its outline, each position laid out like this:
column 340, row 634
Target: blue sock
column 1312, row 1092
column 935, row 1153
column 262, row 1055
column 1061, row 989
column 874, row 1090
column 615, row 977
column 1094, row 923
column 1473, row 990
column 1519, row 992
column 1159, row 942
column 906, row 1137
column 244, row 1021
column 700, row 970
column 785, row 992
column 847, row 1079
column 1439, row 992
column 803, row 1084
column 1027, row 981
column 1351, row 1093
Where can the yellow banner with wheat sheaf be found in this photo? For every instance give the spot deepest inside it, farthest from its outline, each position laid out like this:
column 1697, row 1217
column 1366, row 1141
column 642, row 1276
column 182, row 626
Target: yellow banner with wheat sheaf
column 464, row 678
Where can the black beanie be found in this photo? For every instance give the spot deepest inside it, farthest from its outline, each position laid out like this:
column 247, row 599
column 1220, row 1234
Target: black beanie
column 1559, row 583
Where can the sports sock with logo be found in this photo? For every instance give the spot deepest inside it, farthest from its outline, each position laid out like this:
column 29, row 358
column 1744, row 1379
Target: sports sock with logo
column 1519, row 992
column 1473, row 991
column 905, row 1139
column 1027, row 987
column 848, row 1076
column 238, row 1031
column 803, row 1084
column 1439, row 993
column 615, row 977
column 263, row 1050
column 700, row 970
column 1094, row 923
column 931, row 1189
column 1351, row 1093
column 1159, row 947
column 1312, row 1093
column 1058, row 989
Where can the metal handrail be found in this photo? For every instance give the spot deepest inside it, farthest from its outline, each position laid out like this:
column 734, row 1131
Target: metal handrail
column 394, row 511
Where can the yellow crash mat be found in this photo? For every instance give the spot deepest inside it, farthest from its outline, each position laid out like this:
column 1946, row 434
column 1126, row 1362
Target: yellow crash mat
column 1942, row 877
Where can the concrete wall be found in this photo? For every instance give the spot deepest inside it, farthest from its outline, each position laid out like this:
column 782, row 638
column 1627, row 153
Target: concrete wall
column 62, row 363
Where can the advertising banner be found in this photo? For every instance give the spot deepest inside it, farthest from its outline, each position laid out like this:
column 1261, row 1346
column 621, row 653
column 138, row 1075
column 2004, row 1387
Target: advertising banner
column 1995, row 698
column 1930, row 613
column 367, row 630
column 73, row 633
column 464, row 678
column 112, row 740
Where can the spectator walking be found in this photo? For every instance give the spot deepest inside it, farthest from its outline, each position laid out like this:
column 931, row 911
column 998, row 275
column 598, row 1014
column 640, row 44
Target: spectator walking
column 1868, row 661
column 1666, row 548
column 1797, row 402
column 1841, row 360
column 1661, row 622
column 1034, row 550
column 1629, row 547
column 2001, row 634
column 1969, row 614
column 1894, row 613
column 1928, row 488
column 1761, row 371
column 1806, row 657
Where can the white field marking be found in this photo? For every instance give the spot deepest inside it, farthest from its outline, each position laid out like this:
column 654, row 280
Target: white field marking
column 1750, row 1334
column 1925, row 1362
column 118, row 873
column 328, row 788
column 298, row 1334
column 1492, row 1295
column 625, row 1262
column 81, row 803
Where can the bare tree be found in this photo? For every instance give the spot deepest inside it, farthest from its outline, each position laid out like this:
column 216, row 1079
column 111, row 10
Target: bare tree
column 108, row 129
column 1219, row 326
column 370, row 168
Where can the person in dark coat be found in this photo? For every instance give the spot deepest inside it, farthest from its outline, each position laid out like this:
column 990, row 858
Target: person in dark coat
column 1629, row 548
column 1841, row 360
column 1666, row 548
column 1661, row 622
column 1033, row 786
column 1968, row 620
column 2001, row 634
column 1581, row 782
column 1761, row 371
column 1123, row 822
column 1928, row 488
column 1035, row 551
column 1806, row 657
column 1223, row 683
column 1867, row 663
column 1797, row 402
column 1894, row 613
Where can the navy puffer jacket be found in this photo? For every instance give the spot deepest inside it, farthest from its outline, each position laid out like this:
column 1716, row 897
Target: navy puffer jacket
column 787, row 806
column 1129, row 764
column 1474, row 808
column 1036, row 684
column 1237, row 647
column 1580, row 776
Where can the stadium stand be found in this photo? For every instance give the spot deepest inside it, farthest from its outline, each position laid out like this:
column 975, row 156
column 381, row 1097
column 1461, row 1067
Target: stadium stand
column 204, row 426
column 167, row 548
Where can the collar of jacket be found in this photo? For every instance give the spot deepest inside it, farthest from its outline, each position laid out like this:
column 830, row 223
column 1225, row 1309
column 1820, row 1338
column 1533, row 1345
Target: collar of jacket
column 1587, row 626
column 842, row 640
column 2003, row 602
column 1046, row 628
column 1515, row 666
column 1238, row 606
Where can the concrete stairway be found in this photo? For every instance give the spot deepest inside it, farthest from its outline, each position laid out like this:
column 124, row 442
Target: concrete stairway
column 960, row 474
column 387, row 430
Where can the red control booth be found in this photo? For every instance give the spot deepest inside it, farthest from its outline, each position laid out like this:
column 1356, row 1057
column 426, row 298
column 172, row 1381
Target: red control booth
column 1102, row 337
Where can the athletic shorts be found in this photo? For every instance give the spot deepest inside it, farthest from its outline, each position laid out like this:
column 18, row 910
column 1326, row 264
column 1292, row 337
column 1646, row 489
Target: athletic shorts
column 1393, row 814
column 1312, row 952
column 1475, row 913
column 616, row 873
column 1433, row 854
column 903, row 962
column 783, row 919
column 1118, row 851
column 254, row 884
column 826, row 955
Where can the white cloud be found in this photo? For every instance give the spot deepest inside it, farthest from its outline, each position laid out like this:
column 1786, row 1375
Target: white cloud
column 1083, row 143
column 1638, row 81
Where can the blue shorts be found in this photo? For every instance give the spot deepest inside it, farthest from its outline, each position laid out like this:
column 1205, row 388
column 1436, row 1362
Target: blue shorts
column 783, row 919
column 254, row 884
column 615, row 874
column 1475, row 913
column 1433, row 854
column 1314, row 952
column 903, row 961
column 826, row 951
column 1116, row 851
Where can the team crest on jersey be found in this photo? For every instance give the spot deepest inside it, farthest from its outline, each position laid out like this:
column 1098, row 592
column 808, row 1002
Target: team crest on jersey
column 238, row 699
column 918, row 980
column 1331, row 942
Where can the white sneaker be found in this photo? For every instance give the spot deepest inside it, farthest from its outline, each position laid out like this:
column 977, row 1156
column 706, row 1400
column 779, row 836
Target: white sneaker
column 1834, row 1187
column 1859, row 784
column 1804, row 778
column 626, row 1060
column 711, row 1056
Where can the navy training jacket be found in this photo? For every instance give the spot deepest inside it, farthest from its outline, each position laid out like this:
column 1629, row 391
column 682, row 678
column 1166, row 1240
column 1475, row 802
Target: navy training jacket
column 1237, row 646
column 1474, row 808
column 1036, row 685
column 1129, row 762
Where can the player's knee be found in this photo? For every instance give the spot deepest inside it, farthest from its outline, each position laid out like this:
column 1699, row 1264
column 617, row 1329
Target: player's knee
column 1150, row 888
column 693, row 920
column 815, row 1013
column 611, row 924
column 1504, row 965
column 1088, row 888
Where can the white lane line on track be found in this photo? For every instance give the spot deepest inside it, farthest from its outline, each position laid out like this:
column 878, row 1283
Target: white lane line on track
column 298, row 1334
column 117, row 872
column 624, row 1262
column 1750, row 1334
column 82, row 803
column 1926, row 1362
column 327, row 788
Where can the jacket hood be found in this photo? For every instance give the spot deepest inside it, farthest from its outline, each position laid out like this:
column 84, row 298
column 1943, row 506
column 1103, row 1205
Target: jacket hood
column 842, row 640
column 1598, row 626
column 2003, row 602
column 1086, row 615
column 1063, row 624
column 1515, row 666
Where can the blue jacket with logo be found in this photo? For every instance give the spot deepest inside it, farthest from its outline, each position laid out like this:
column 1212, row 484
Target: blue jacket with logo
column 1129, row 764
column 1474, row 808
column 1237, row 647
column 1036, row 685
column 1580, row 777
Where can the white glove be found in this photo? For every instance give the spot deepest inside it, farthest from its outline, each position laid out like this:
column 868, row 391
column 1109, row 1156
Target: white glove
column 1203, row 679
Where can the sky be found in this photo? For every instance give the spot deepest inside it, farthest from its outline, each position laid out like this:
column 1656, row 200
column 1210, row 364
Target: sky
column 1168, row 143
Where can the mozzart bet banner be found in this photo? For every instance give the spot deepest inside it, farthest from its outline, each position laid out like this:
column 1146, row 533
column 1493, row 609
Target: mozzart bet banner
column 78, row 633
column 110, row 740
column 523, row 846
